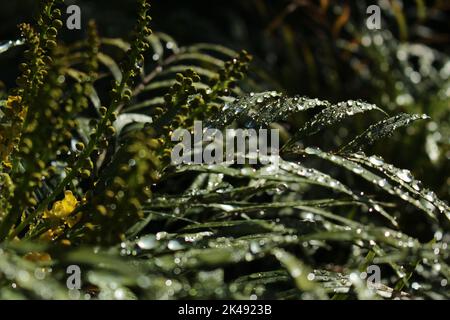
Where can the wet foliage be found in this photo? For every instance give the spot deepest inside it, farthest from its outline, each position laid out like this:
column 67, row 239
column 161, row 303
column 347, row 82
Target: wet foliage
column 360, row 183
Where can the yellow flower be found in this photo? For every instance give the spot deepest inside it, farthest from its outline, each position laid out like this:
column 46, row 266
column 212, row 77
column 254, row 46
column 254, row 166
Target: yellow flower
column 13, row 101
column 52, row 234
column 7, row 165
column 38, row 257
column 62, row 209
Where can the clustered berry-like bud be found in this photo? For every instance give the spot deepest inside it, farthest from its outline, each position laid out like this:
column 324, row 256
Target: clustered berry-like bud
column 232, row 72
column 178, row 101
column 10, row 127
column 121, row 92
column 93, row 48
column 42, row 113
column 35, row 70
column 118, row 198
column 32, row 103
column 186, row 101
column 134, row 61
column 6, row 189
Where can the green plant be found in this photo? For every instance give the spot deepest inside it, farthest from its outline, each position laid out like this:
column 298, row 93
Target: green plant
column 86, row 179
column 323, row 49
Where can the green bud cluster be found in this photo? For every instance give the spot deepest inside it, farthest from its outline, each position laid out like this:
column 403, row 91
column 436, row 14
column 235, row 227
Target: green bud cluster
column 92, row 50
column 34, row 99
column 227, row 79
column 81, row 159
column 185, row 102
column 121, row 92
column 6, row 192
column 117, row 200
column 49, row 139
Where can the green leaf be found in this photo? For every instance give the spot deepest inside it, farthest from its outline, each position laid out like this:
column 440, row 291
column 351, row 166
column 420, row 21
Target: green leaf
column 111, row 65
column 299, row 272
column 380, row 130
column 262, row 109
column 5, row 46
column 331, row 115
column 372, row 178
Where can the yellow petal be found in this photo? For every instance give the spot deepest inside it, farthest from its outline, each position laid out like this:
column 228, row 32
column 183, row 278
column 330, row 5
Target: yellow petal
column 62, row 209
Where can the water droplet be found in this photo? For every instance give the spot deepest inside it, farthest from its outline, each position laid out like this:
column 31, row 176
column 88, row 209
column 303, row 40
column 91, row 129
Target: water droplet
column 430, row 196
column 358, row 170
column 170, row 45
column 161, row 235
column 255, row 247
column 296, row 272
column 382, row 182
column 143, row 281
column 119, row 294
column 376, row 161
column 147, row 242
column 415, row 286
column 311, row 276
column 4, row 46
column 416, row 185
column 437, row 267
column 405, row 175
column 174, row 245
column 438, row 235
